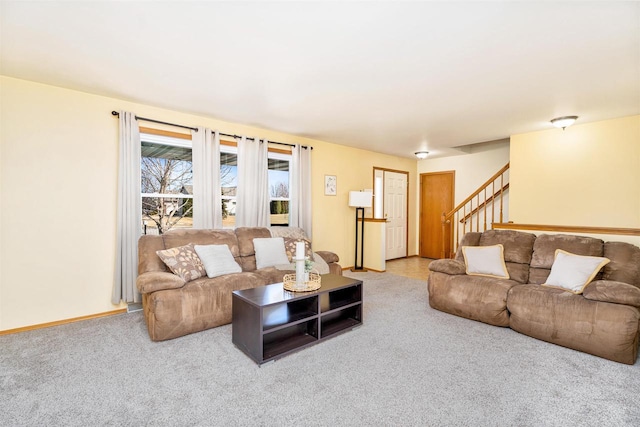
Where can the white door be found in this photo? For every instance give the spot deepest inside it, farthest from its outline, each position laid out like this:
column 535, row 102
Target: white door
column 395, row 211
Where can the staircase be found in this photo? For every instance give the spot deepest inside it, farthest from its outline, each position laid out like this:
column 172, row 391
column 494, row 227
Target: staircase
column 477, row 212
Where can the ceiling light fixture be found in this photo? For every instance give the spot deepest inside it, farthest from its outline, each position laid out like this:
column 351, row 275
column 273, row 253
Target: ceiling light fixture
column 421, row 154
column 563, row 122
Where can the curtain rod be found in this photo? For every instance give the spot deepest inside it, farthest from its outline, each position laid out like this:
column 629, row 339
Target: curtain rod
column 115, row 113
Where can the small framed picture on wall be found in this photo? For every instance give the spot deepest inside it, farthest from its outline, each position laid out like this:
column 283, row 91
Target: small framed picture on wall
column 330, row 185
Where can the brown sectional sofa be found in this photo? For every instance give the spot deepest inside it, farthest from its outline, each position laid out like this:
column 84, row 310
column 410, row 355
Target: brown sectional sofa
column 173, row 308
column 604, row 320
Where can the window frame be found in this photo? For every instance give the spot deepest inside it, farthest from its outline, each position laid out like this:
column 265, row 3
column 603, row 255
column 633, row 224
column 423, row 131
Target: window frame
column 231, row 148
column 288, row 157
column 172, row 141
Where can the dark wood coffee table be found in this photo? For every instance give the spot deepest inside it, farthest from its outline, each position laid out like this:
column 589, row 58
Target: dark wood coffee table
column 270, row 322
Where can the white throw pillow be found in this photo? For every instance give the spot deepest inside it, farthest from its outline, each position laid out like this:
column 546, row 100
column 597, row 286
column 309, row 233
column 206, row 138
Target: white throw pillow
column 269, row 252
column 217, row 260
column 485, row 261
column 573, row 272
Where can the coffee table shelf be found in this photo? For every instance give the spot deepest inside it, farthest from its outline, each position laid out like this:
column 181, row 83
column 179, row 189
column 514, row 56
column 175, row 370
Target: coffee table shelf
column 340, row 298
column 333, row 327
column 275, row 347
column 270, row 322
column 276, row 315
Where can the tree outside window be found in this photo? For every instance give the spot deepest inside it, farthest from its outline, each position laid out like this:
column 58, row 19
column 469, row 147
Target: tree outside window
column 166, row 184
column 279, row 165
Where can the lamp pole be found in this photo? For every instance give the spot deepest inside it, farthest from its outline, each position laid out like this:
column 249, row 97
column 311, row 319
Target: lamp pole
column 359, row 267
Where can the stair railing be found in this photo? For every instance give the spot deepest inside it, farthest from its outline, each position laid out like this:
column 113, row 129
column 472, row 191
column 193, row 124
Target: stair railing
column 486, row 204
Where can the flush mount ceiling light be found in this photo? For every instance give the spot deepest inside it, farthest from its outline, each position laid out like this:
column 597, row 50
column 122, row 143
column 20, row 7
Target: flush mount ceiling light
column 421, row 154
column 563, row 122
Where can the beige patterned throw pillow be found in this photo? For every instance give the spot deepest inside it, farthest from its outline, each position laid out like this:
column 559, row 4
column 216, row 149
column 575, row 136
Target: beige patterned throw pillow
column 290, row 248
column 183, row 261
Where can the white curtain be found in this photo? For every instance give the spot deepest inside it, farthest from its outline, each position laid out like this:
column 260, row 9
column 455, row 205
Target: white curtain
column 252, row 198
column 300, row 195
column 129, row 218
column 207, row 200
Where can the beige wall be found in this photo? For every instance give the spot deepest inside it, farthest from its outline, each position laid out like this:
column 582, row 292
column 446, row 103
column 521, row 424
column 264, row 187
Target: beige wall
column 58, row 162
column 354, row 169
column 586, row 175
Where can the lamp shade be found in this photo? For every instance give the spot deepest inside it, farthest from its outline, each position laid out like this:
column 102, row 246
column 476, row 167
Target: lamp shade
column 360, row 199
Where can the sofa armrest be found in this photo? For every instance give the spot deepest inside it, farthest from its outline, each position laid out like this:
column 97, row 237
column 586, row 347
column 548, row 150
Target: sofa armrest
column 152, row 281
column 610, row 291
column 448, row 266
column 328, row 257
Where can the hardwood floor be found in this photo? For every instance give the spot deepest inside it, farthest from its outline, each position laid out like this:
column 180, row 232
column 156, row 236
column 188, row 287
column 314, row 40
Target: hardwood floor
column 414, row 267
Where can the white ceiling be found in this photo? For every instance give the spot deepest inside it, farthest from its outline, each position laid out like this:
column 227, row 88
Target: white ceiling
column 389, row 77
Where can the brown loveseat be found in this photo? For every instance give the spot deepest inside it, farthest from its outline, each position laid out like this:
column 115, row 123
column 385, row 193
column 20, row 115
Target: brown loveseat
column 173, row 308
column 604, row 320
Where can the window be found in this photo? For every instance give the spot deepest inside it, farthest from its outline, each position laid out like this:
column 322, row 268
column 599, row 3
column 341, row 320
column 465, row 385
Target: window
column 279, row 184
column 228, row 184
column 166, row 183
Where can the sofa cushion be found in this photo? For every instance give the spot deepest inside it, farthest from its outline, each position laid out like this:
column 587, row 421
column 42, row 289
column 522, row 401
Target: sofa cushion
column 625, row 263
column 148, row 260
column 518, row 272
column 600, row 328
column 272, row 274
column 471, row 238
column 448, row 266
column 474, row 297
column 328, row 257
column 485, row 261
column 544, row 252
column 538, row 276
column 217, row 260
column 183, row 236
column 178, row 312
column 518, row 246
column 152, row 281
column 245, row 237
column 270, row 252
column 183, row 261
column 544, row 248
column 610, row 291
column 573, row 272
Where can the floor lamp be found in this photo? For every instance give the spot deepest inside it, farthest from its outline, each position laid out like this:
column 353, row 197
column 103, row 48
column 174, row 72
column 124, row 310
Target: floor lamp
column 360, row 200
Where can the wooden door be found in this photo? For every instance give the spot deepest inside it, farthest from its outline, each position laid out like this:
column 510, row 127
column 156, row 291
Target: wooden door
column 436, row 198
column 395, row 212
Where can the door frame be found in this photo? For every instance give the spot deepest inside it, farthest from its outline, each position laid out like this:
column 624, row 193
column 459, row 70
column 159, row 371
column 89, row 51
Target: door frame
column 453, row 200
column 373, row 180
